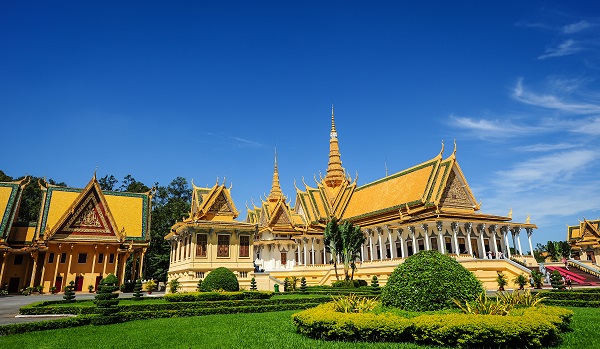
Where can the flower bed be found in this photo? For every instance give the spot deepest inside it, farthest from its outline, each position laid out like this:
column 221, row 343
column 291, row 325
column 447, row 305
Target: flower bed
column 523, row 327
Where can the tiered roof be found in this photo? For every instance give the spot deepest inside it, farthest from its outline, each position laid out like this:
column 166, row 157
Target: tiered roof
column 587, row 233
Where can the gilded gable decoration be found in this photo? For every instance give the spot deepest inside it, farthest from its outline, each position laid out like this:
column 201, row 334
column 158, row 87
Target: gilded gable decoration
column 220, row 206
column 454, row 194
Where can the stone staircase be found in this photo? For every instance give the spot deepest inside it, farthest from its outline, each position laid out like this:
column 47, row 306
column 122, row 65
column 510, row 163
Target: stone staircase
column 578, row 277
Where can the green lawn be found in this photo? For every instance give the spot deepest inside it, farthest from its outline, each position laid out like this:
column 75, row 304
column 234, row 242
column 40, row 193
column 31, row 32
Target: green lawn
column 263, row 330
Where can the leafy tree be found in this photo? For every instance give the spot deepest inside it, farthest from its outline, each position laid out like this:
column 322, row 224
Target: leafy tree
column 4, row 177
column 174, row 285
column 333, row 242
column 565, row 249
column 556, row 280
column 108, row 182
column 199, row 285
column 133, row 186
column 170, row 204
column 501, row 280
column 352, row 239
column 552, row 251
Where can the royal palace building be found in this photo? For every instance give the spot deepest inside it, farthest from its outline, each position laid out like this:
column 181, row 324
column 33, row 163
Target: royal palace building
column 81, row 235
column 428, row 206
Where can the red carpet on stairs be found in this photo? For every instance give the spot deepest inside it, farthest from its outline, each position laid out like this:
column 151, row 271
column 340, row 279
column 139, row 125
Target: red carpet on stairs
column 577, row 276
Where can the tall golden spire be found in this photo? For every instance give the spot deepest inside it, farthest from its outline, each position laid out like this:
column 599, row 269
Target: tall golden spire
column 276, row 192
column 335, row 171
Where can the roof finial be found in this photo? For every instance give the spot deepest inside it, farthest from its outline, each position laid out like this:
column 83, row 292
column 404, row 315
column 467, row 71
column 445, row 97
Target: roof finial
column 335, row 171
column 276, row 192
column 442, row 151
column 333, row 131
column 385, row 164
column 454, row 151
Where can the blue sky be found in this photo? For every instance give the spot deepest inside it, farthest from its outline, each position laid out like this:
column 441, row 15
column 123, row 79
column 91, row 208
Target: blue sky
column 207, row 89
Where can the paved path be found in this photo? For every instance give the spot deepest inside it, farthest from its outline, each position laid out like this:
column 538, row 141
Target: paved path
column 9, row 305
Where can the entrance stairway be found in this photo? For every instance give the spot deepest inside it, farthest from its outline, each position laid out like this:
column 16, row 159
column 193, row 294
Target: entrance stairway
column 577, row 276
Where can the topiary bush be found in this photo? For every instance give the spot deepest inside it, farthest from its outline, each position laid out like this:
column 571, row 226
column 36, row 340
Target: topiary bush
column 429, row 280
column 375, row 285
column 69, row 296
column 106, row 301
column 137, row 290
column 220, row 279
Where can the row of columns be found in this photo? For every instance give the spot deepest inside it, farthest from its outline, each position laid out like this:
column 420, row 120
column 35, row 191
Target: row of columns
column 377, row 234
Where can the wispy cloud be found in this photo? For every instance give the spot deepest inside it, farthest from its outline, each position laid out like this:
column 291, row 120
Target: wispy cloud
column 553, row 168
column 501, row 128
column 246, row 143
column 549, row 101
column 567, row 47
column 589, row 127
column 576, row 27
column 542, row 147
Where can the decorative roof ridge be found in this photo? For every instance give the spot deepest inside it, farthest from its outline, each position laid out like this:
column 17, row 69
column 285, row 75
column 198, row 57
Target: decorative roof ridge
column 92, row 185
column 434, row 160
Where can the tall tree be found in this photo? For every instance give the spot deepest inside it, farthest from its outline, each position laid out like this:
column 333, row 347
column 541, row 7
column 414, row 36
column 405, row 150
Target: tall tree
column 108, row 182
column 133, row 186
column 333, row 242
column 352, row 239
column 170, row 204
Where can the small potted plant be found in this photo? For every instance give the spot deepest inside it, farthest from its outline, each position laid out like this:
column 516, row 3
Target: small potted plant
column 53, row 289
column 91, row 288
column 501, row 280
column 520, row 281
column 150, row 286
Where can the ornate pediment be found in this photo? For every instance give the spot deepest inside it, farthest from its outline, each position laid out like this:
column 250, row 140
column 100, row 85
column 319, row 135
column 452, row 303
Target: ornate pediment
column 281, row 217
column 87, row 218
column 455, row 193
column 220, row 206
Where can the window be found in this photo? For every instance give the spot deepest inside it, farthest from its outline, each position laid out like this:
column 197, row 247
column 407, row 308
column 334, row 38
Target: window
column 244, row 246
column 82, row 258
column 111, row 258
column 200, row 275
column 283, row 258
column 101, row 258
column 18, row 259
column 243, row 274
column 51, row 257
column 201, row 241
column 63, row 257
column 223, row 246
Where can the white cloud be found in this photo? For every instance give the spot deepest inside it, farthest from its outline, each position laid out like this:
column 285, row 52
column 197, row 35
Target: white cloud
column 541, row 147
column 541, row 171
column 492, row 128
column 567, row 47
column 552, row 102
column 246, row 143
column 576, row 27
column 589, row 127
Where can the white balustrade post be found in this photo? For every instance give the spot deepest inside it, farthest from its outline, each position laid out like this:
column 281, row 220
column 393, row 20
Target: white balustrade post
column 441, row 240
column 469, row 226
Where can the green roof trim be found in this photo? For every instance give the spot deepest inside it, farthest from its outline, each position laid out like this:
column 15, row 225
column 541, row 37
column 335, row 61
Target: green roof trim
column 9, row 214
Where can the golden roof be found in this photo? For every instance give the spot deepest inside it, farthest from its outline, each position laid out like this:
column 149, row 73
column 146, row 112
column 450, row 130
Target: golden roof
column 588, row 231
column 212, row 204
column 91, row 214
column 10, row 196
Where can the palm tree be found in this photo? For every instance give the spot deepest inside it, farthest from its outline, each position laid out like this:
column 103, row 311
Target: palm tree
column 352, row 239
column 333, row 242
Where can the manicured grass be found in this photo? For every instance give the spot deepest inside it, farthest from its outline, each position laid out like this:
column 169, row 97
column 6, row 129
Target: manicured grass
column 263, row 330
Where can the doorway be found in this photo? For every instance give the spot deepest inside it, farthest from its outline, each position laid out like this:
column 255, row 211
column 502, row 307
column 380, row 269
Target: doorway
column 79, row 283
column 13, row 285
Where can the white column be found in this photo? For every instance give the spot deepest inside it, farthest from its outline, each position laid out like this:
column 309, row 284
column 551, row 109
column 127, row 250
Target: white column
column 468, row 227
column 371, row 246
column 304, row 242
column 414, row 239
column 402, row 251
column 313, row 251
column 506, row 242
column 426, row 232
column 381, row 255
column 482, row 251
column 514, row 241
column 362, row 253
column 454, row 226
column 324, row 253
column 392, row 242
column 519, row 240
column 529, row 232
column 494, row 243
column 441, row 240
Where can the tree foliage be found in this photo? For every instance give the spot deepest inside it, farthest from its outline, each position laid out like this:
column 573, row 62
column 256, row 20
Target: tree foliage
column 343, row 241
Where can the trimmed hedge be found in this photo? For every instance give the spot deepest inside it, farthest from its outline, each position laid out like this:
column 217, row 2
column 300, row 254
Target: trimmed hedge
column 226, row 307
column 429, row 280
column 81, row 320
column 220, row 279
column 216, row 296
column 572, row 303
column 174, row 306
column 568, row 295
column 523, row 328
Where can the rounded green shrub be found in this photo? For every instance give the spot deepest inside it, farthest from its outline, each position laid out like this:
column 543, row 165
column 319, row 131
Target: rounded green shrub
column 220, row 279
column 429, row 280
